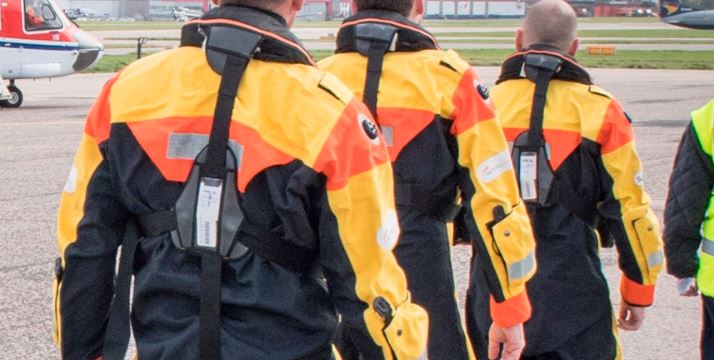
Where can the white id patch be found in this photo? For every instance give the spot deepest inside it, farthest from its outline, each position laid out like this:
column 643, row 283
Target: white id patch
column 493, row 167
column 388, row 234
column 528, row 175
column 639, row 179
column 71, row 185
column 207, row 211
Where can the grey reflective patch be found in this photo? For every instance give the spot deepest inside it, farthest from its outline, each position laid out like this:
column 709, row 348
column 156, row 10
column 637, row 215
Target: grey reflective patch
column 708, row 246
column 655, row 259
column 522, row 268
column 188, row 146
column 388, row 133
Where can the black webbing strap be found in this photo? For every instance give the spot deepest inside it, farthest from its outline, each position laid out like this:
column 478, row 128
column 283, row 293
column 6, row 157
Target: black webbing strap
column 118, row 333
column 540, row 69
column 258, row 238
column 424, row 201
column 375, row 60
column 215, row 167
column 209, row 331
column 373, row 41
column 215, row 164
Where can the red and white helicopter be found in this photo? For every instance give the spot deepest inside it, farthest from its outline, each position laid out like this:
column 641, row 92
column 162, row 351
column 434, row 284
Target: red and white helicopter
column 38, row 41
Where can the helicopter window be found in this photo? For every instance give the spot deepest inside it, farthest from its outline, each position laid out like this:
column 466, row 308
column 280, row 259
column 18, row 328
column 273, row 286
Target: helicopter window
column 39, row 15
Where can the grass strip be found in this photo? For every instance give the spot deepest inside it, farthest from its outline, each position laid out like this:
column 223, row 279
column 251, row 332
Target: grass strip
column 628, row 34
column 627, row 59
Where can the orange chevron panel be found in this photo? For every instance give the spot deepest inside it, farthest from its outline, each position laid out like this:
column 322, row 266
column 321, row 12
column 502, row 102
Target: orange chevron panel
column 98, row 125
column 348, row 151
column 469, row 107
column 153, row 136
column 616, row 129
column 407, row 124
column 562, row 143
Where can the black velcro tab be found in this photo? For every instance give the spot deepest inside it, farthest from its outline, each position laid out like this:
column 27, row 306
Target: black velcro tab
column 223, row 41
column 536, row 63
column 369, row 33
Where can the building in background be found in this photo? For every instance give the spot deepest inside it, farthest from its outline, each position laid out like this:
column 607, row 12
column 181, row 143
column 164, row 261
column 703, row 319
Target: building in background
column 319, row 10
column 449, row 9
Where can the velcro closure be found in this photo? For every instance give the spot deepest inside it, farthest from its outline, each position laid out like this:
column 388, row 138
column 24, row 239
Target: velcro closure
column 600, row 91
column 451, row 59
column 331, row 84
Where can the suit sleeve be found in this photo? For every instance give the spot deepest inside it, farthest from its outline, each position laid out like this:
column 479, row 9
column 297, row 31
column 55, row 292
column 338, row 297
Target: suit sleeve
column 358, row 230
column 690, row 186
column 90, row 225
column 495, row 216
column 626, row 206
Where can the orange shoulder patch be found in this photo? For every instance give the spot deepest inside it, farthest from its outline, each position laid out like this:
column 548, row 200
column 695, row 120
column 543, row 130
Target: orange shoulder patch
column 353, row 147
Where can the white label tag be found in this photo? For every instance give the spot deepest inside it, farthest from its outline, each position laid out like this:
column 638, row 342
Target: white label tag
column 207, row 210
column 528, row 175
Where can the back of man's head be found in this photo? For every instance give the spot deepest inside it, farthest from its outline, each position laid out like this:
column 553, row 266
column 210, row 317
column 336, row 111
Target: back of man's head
column 403, row 7
column 550, row 22
column 262, row 4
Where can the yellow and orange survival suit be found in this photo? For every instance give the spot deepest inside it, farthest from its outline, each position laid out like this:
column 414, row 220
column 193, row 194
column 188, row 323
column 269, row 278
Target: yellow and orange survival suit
column 574, row 153
column 313, row 180
column 444, row 141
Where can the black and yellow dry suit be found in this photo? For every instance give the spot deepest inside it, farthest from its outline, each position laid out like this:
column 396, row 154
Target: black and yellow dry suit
column 595, row 173
column 443, row 139
column 311, row 169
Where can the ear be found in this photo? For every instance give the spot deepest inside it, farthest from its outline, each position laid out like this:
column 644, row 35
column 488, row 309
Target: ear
column 419, row 7
column 296, row 5
column 216, row 2
column 519, row 40
column 574, row 47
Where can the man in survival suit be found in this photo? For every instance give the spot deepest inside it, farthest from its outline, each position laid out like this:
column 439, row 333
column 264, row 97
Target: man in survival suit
column 264, row 210
column 575, row 159
column 689, row 222
column 445, row 143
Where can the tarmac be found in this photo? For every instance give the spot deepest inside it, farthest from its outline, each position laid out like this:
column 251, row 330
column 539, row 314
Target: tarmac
column 39, row 140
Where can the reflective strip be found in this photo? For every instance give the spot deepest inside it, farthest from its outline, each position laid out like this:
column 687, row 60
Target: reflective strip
column 655, row 259
column 708, row 246
column 494, row 166
column 188, row 146
column 522, row 268
column 388, row 133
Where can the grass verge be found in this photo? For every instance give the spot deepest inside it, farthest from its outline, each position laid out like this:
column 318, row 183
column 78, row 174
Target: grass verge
column 627, row 34
column 628, row 59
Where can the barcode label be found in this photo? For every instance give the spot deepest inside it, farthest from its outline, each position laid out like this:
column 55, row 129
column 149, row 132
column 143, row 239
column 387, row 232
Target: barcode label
column 528, row 175
column 207, row 212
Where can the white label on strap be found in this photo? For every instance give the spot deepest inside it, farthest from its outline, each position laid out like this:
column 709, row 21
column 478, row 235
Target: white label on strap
column 207, row 211
column 528, row 175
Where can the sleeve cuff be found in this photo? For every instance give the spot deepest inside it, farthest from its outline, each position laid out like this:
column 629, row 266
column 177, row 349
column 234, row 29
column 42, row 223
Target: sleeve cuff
column 636, row 294
column 513, row 311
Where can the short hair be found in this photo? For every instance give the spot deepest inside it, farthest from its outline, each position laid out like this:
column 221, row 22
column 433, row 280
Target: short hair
column 262, row 4
column 404, row 7
column 551, row 22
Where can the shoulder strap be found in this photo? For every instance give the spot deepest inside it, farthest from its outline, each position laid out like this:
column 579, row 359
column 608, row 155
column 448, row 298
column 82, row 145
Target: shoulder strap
column 373, row 40
column 540, row 69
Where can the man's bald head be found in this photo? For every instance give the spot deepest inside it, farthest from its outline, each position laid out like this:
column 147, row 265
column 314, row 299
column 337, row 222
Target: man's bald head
column 550, row 22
